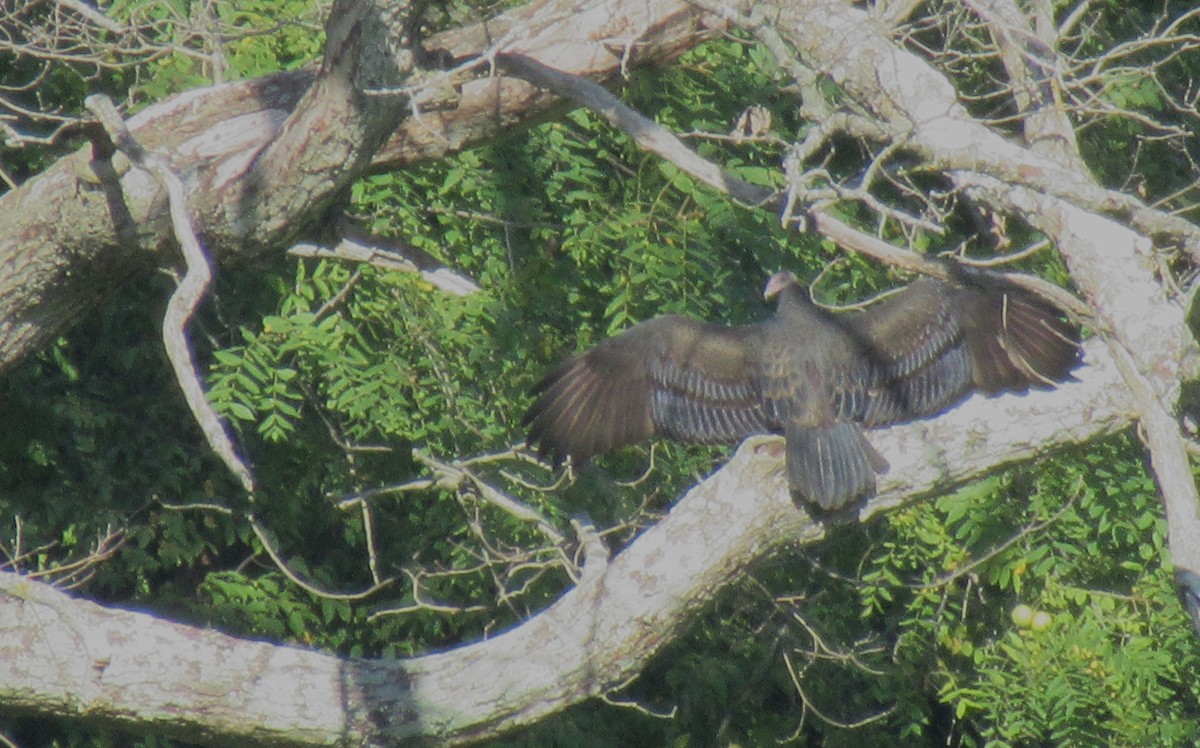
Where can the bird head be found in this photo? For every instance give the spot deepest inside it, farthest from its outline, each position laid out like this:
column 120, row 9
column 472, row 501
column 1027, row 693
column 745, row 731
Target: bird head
column 777, row 283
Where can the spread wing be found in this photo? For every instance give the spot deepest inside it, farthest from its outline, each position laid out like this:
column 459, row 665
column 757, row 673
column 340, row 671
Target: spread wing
column 815, row 377
column 671, row 376
column 933, row 343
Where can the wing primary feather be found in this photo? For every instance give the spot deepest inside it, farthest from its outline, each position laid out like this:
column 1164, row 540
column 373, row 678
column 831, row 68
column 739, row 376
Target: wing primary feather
column 670, row 376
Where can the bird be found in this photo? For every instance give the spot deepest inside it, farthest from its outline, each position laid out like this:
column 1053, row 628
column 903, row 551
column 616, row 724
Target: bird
column 818, row 378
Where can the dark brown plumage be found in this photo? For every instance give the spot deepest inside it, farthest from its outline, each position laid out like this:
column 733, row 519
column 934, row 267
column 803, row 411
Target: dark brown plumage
column 816, row 378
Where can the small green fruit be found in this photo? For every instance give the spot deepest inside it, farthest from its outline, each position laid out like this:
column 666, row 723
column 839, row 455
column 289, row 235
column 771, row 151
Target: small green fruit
column 1041, row 621
column 1023, row 616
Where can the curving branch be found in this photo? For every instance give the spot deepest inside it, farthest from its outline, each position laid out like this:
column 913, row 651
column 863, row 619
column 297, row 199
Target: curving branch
column 72, row 657
column 190, row 292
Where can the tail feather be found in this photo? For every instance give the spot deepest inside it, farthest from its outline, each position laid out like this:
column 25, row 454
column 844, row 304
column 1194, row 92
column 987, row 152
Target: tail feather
column 832, row 465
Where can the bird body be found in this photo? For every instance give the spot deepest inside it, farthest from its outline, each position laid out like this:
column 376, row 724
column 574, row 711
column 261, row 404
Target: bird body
column 817, row 378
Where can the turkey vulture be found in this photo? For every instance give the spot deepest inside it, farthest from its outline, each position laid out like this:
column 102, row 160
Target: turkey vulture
column 815, row 377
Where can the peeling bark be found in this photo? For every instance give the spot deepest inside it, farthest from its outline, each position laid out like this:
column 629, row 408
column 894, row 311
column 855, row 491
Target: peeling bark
column 262, row 158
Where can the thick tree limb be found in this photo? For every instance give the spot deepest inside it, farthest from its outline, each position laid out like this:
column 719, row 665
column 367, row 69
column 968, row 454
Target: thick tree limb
column 327, row 139
column 72, row 657
column 78, row 231
column 1110, row 263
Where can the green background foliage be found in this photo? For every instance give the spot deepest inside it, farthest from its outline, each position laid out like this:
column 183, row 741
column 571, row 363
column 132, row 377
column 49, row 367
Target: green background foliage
column 340, row 380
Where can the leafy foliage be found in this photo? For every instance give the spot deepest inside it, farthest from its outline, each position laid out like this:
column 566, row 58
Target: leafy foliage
column 346, row 384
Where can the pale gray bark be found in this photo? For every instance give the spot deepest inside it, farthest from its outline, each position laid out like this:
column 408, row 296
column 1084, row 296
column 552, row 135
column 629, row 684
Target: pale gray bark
column 264, row 157
column 260, row 170
column 66, row 656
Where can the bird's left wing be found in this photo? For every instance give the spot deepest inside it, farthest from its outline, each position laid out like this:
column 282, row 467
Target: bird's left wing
column 935, row 341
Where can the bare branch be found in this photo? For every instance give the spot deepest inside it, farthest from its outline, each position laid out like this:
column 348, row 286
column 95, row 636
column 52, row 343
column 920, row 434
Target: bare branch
column 644, row 131
column 188, row 295
column 809, row 706
column 391, row 254
column 457, row 474
column 93, row 16
column 264, row 537
column 604, row 629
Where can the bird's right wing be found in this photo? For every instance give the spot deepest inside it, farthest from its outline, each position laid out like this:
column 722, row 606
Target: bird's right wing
column 1017, row 340
column 671, row 376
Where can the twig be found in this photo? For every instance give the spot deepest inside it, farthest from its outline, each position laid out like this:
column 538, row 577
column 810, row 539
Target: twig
column 359, row 497
column 645, row 473
column 336, row 300
column 629, row 704
column 196, row 506
column 808, row 703
column 295, row 578
column 1039, row 246
column 420, row 605
column 369, row 534
column 187, row 296
column 75, row 573
column 998, row 548
column 456, row 473
column 823, row 651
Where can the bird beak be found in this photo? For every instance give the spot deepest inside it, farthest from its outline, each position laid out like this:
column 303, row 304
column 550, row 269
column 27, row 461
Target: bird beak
column 777, row 283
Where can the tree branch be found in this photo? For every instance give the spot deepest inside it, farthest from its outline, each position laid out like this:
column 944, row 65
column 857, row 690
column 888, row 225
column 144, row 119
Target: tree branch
column 187, row 296
column 69, row 238
column 355, row 245
column 72, row 657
